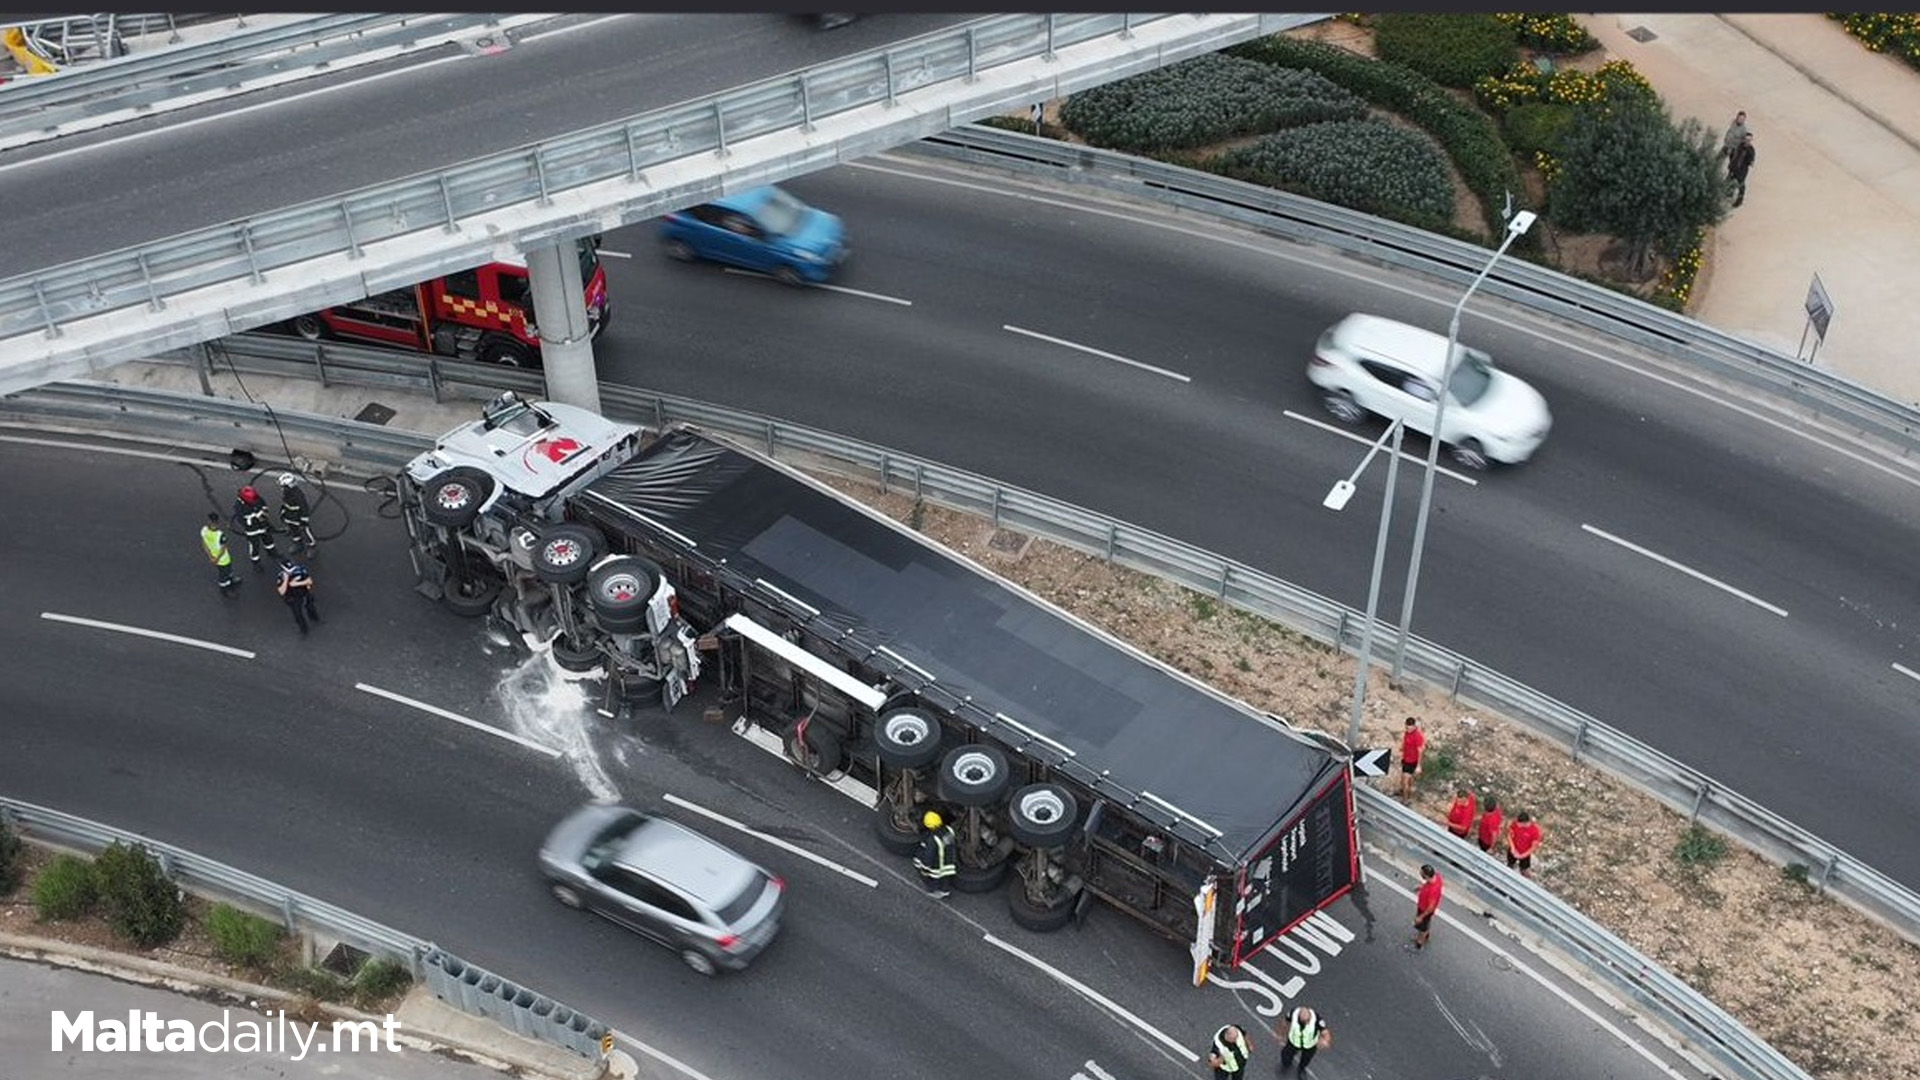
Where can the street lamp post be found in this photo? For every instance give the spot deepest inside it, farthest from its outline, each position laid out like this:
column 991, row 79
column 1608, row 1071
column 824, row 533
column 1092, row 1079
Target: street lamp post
column 1337, row 499
column 1516, row 228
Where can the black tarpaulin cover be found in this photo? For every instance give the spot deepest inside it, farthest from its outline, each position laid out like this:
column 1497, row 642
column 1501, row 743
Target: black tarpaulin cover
column 1151, row 730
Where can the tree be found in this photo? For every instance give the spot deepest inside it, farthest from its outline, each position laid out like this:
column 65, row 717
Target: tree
column 1628, row 171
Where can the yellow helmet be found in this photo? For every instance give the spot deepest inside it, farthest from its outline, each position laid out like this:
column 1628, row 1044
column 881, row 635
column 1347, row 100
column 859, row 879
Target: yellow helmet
column 932, row 820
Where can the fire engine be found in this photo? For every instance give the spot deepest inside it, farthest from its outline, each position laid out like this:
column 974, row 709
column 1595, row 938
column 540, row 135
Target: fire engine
column 483, row 314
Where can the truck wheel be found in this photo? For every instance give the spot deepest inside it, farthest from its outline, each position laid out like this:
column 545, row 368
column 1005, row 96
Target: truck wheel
column 470, row 596
column 564, row 553
column 1030, row 916
column 823, row 752
column 571, row 658
column 974, row 776
column 907, row 738
column 619, row 589
column 893, row 839
column 972, row 879
column 1042, row 815
column 309, row 326
column 453, row 498
column 506, row 352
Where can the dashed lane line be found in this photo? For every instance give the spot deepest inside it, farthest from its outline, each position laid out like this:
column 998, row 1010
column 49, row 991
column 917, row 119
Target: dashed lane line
column 157, row 635
column 1415, row 459
column 824, row 286
column 1095, row 996
column 1103, row 354
column 774, row 840
column 1687, row 570
column 458, row 719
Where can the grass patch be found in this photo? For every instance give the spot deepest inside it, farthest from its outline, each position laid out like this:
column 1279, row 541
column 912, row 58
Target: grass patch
column 241, row 937
column 65, row 889
column 1699, row 848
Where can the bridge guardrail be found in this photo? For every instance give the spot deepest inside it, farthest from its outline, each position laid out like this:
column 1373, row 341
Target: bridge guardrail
column 539, row 193
column 1707, row 1028
column 1703, row 348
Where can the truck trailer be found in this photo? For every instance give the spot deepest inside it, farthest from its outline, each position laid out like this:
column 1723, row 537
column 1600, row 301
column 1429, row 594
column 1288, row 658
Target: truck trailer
column 1076, row 769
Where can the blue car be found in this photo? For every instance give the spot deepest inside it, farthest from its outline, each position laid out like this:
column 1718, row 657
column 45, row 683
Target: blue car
column 763, row 229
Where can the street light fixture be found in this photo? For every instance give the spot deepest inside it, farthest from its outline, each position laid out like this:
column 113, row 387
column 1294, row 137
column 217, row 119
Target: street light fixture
column 1336, row 500
column 1516, row 228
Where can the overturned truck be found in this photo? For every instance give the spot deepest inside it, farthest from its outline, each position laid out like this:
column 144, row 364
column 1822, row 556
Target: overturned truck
column 1076, row 769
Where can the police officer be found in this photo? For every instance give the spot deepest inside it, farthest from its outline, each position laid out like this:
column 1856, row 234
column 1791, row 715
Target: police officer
column 934, row 860
column 296, row 588
column 214, row 539
column 250, row 510
column 1306, row 1033
column 1228, row 1054
column 295, row 517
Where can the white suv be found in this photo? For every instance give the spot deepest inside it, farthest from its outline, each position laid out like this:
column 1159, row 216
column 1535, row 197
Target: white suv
column 1365, row 365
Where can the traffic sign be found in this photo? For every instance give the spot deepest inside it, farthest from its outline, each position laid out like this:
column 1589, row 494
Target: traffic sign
column 1372, row 762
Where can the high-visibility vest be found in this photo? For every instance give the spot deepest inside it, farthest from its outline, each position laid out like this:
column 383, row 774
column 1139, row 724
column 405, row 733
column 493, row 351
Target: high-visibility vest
column 1233, row 1057
column 942, row 862
column 1304, row 1036
column 216, row 545
column 254, row 518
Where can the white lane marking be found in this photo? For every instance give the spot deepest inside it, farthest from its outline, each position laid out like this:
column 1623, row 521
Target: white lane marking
column 1096, row 1070
column 1095, row 996
column 661, row 1056
column 1907, row 671
column 774, row 840
column 1378, row 280
column 557, row 31
column 743, row 272
column 1688, row 570
column 1097, row 352
column 458, row 719
column 157, row 635
column 1416, row 459
column 612, row 254
column 1555, row 989
column 155, row 455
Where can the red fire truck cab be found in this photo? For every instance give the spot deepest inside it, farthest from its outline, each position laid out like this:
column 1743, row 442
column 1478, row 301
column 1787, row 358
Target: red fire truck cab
column 483, row 314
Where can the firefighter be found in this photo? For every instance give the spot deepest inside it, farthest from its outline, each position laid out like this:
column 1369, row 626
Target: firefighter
column 255, row 520
column 934, row 860
column 294, row 514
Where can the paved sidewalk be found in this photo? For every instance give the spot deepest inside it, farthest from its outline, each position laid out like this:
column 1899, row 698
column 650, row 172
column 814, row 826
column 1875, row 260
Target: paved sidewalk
column 1835, row 187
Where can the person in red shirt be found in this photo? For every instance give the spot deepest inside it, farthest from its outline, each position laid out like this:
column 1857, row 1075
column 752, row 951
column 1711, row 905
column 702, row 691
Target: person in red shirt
column 1460, row 814
column 1426, row 904
column 1522, row 840
column 1412, row 745
column 1490, row 819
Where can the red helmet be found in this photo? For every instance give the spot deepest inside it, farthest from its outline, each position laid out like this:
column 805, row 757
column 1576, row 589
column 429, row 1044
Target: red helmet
column 247, row 494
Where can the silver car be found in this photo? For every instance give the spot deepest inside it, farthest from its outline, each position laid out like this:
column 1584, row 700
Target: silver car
column 666, row 882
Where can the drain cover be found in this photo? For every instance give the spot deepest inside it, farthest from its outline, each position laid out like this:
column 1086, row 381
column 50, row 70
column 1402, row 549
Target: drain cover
column 374, row 413
column 1641, row 34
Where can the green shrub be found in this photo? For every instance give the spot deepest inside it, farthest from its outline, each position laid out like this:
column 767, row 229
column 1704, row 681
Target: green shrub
column 241, row 937
column 1893, row 34
column 1203, row 100
column 315, row 982
column 1537, row 125
column 1452, row 50
column 142, row 904
column 1470, row 137
column 1699, row 847
column 65, row 889
column 1560, row 34
column 379, row 979
column 13, row 852
column 1364, row 164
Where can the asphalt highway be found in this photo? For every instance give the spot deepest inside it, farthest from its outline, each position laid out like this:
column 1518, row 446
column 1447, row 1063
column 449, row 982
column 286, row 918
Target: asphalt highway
column 92, row 193
column 278, row 764
column 1696, row 571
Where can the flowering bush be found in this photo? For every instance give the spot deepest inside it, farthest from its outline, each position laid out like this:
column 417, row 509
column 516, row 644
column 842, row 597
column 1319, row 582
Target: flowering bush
column 1676, row 284
column 1525, row 83
column 1895, row 35
column 1204, row 100
column 1365, row 164
column 1549, row 33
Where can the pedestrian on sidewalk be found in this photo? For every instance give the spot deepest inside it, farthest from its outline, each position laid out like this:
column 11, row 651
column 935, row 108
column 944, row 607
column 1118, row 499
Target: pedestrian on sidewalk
column 1736, row 131
column 296, row 588
column 1460, row 814
column 1413, row 744
column 1426, row 904
column 1739, row 161
column 214, row 539
column 1522, row 841
column 1490, row 819
column 1227, row 1056
column 1305, row 1035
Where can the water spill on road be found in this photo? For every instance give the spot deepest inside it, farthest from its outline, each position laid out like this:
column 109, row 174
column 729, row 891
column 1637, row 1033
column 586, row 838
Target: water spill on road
column 555, row 707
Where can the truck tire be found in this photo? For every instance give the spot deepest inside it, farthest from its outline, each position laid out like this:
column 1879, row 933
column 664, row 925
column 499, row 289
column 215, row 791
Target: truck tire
column 1042, row 815
column 1030, row 916
column 470, row 597
column 506, row 352
column 823, row 753
column 980, row 879
column 573, row 658
column 974, row 775
column 893, row 839
column 311, row 327
column 453, row 498
column 564, row 553
column 907, row 738
column 619, row 588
